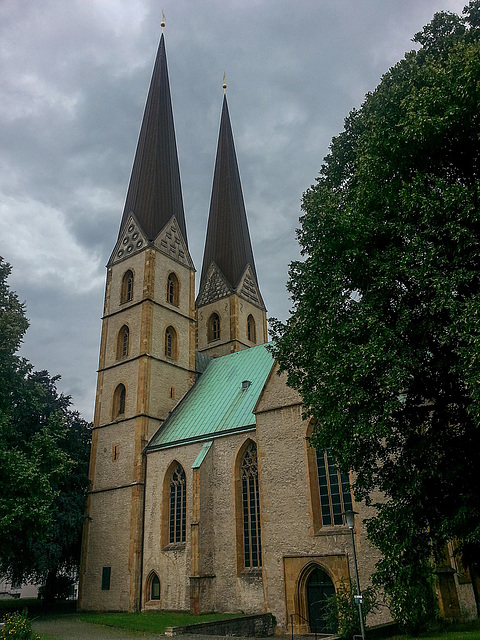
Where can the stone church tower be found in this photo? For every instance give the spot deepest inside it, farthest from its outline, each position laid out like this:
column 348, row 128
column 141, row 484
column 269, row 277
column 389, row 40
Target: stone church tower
column 230, row 312
column 205, row 492
column 151, row 330
column 147, row 354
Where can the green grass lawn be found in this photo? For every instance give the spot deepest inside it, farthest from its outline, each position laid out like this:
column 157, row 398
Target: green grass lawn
column 466, row 631
column 152, row 621
column 157, row 621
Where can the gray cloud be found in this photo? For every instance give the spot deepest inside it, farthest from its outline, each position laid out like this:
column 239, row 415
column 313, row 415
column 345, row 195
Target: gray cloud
column 74, row 81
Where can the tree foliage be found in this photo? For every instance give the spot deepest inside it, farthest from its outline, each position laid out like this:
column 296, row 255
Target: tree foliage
column 342, row 611
column 384, row 338
column 44, row 450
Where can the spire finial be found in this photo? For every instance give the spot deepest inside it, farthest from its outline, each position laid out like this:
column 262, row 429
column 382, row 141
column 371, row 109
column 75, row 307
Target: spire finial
column 162, row 24
column 224, row 84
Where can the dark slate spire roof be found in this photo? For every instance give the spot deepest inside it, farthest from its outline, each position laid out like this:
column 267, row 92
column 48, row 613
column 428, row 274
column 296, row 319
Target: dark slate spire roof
column 155, row 194
column 228, row 240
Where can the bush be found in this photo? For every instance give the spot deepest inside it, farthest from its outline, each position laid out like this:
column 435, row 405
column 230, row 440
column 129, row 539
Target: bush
column 17, row 627
column 342, row 610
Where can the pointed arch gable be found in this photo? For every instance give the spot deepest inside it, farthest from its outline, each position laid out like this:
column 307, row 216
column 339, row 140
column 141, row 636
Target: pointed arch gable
column 298, row 570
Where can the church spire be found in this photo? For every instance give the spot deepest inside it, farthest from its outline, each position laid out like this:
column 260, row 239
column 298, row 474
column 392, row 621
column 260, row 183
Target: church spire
column 154, row 193
column 228, row 240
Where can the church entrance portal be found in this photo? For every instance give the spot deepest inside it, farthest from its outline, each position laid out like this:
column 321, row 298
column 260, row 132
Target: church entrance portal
column 319, row 588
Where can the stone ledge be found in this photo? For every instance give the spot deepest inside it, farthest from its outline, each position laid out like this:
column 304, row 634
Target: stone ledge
column 258, row 626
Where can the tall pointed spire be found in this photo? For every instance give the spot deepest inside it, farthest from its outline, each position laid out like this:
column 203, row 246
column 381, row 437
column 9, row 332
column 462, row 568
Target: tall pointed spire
column 228, row 240
column 155, row 194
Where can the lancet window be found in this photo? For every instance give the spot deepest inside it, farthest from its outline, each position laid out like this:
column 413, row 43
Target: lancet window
column 213, row 327
column 251, row 329
column 119, row 401
column 123, row 342
column 178, row 506
column 155, row 587
column 171, row 343
column 127, row 287
column 173, row 289
column 252, row 552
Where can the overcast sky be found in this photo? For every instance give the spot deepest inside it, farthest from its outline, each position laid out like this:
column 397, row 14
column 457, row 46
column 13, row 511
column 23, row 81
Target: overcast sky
column 74, row 76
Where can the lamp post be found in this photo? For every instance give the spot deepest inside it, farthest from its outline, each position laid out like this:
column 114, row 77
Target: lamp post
column 350, row 520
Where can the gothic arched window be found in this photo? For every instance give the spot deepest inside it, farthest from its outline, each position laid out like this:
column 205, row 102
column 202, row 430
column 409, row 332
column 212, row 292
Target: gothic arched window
column 173, row 289
column 170, row 343
column 119, row 401
column 251, row 330
column 177, row 523
column 127, row 287
column 154, row 587
column 252, row 552
column 123, row 342
column 213, row 327
column 334, row 488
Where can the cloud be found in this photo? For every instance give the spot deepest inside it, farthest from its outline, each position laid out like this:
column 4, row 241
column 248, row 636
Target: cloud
column 44, row 251
column 75, row 76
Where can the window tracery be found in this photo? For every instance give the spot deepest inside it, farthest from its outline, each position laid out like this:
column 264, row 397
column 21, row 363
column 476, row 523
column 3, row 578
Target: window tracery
column 334, row 488
column 178, row 506
column 252, row 552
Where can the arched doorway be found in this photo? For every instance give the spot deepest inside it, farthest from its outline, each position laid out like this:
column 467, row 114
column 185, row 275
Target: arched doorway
column 319, row 588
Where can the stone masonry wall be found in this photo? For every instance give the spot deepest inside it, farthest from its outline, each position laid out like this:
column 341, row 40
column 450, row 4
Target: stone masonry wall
column 291, row 545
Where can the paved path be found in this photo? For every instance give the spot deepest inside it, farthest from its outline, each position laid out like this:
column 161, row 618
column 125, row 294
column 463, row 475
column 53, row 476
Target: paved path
column 72, row 628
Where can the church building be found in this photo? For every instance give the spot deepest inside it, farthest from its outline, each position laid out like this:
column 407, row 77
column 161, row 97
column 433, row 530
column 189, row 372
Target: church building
column 205, row 494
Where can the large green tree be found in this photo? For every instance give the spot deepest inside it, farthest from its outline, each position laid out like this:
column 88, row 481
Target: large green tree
column 384, row 337
column 44, row 449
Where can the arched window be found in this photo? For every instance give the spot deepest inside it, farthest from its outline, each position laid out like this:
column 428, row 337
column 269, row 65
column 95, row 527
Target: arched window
column 173, row 289
column 119, row 400
column 334, row 488
column 252, row 552
column 177, row 525
column 213, row 327
column 171, row 343
column 123, row 342
column 154, row 587
column 127, row 287
column 251, row 331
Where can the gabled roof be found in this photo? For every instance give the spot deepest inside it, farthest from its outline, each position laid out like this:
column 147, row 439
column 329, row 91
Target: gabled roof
column 220, row 402
column 227, row 243
column 154, row 193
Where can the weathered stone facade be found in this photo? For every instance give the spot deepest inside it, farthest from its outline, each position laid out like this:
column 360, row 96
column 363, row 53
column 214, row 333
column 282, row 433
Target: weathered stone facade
column 205, row 494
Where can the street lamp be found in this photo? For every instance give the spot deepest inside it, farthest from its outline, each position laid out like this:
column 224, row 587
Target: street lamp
column 350, row 520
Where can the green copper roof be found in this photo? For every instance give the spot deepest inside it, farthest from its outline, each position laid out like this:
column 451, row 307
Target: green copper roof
column 220, row 402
